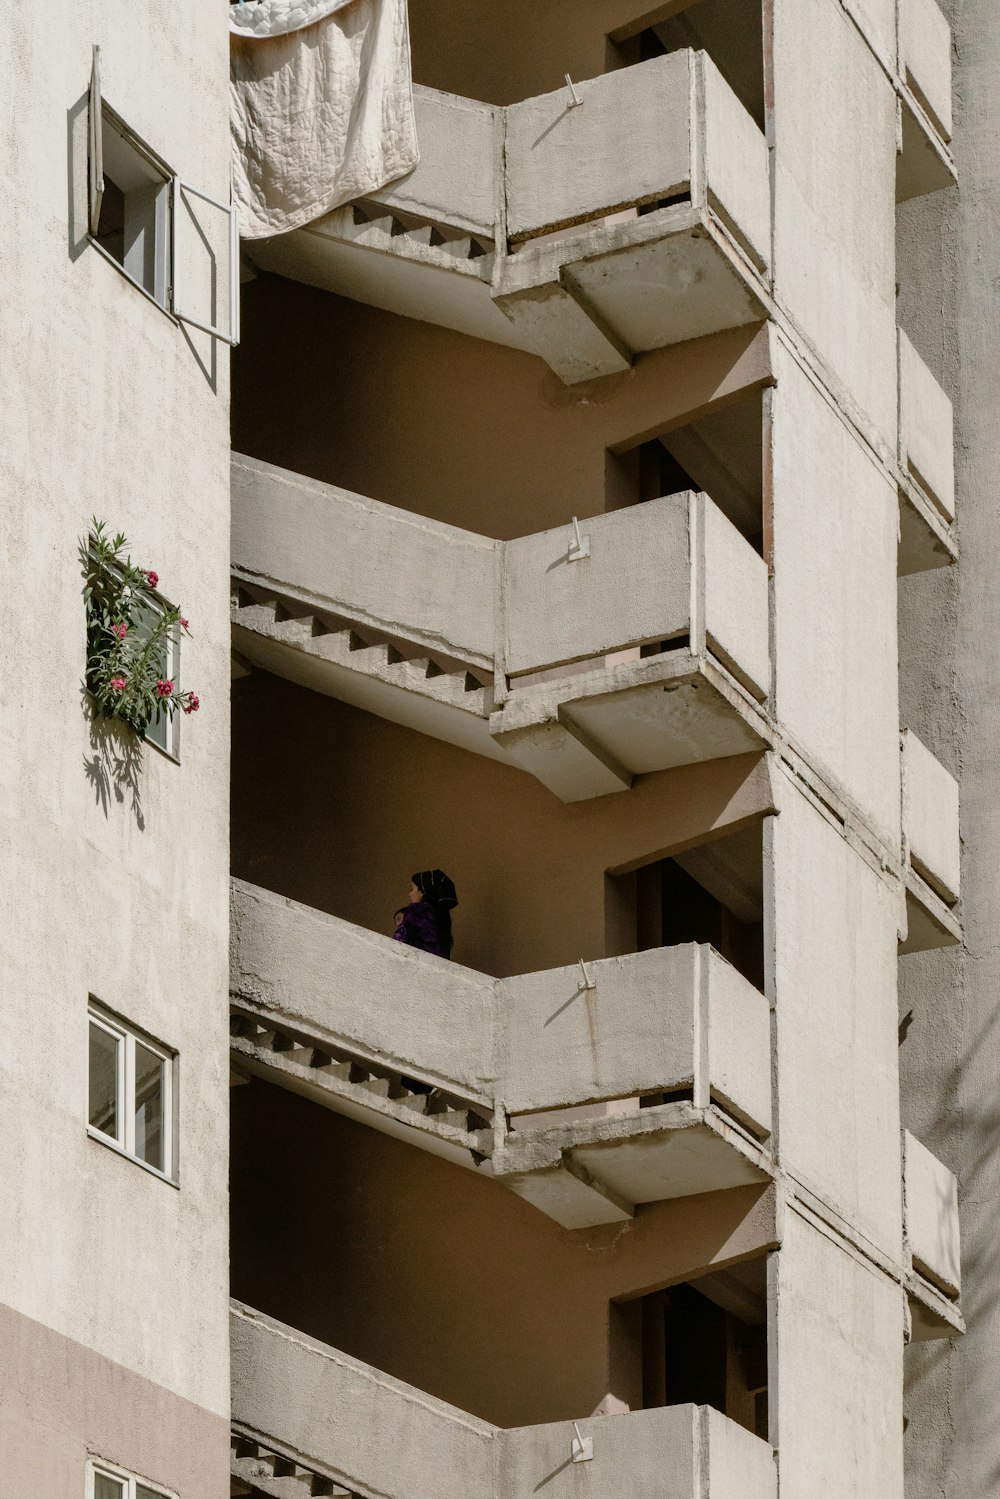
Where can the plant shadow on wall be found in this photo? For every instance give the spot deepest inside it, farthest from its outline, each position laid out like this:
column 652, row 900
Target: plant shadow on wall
column 130, row 692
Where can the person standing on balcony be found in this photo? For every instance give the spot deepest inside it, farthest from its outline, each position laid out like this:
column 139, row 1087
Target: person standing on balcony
column 426, row 921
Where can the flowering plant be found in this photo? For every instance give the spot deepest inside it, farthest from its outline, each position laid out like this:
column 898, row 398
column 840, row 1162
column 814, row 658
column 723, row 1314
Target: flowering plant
column 128, row 636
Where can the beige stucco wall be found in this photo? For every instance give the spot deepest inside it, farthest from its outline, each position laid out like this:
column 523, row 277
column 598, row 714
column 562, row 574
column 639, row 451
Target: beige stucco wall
column 109, row 407
column 443, row 1279
column 62, row 1403
column 528, row 868
column 318, row 382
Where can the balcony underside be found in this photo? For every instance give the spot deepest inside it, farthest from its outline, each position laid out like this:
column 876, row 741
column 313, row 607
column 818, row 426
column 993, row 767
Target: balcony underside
column 587, row 304
column 600, row 1170
column 930, row 922
column 583, row 736
column 583, row 1172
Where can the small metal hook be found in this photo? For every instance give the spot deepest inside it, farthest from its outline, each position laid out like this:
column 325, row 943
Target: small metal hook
column 581, row 1449
column 579, row 546
column 588, row 982
column 575, row 99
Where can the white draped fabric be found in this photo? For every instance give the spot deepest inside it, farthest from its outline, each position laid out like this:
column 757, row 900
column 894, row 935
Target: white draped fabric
column 321, row 107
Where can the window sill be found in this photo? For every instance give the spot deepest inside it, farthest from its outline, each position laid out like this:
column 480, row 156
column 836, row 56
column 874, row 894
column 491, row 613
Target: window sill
column 161, row 306
column 167, row 754
column 112, row 1145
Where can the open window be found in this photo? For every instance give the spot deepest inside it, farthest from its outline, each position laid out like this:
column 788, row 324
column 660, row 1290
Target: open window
column 148, row 222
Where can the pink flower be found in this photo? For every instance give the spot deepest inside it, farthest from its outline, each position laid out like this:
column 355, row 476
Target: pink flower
column 120, row 630
column 164, row 689
column 193, row 704
column 118, row 684
column 184, row 623
column 152, row 578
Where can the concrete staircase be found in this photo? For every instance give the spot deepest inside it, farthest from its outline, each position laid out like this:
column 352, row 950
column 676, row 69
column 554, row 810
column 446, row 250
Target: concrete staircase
column 258, row 1469
column 432, row 693
column 361, row 1087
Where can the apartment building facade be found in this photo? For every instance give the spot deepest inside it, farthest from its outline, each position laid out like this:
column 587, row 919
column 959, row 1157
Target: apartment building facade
column 593, row 537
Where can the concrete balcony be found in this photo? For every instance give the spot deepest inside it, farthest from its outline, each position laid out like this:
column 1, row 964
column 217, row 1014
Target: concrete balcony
column 545, row 225
column 925, row 163
column 932, row 1253
column 308, row 1419
column 932, row 848
column 649, row 650
column 647, row 1077
column 927, row 457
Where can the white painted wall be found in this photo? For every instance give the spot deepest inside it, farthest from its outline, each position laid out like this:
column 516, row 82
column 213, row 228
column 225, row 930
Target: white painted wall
column 110, row 407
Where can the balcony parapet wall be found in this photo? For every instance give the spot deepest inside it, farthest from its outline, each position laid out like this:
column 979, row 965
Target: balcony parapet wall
column 328, row 1415
column 930, row 1217
column 585, row 1091
column 541, row 225
column 653, row 1022
column 522, row 644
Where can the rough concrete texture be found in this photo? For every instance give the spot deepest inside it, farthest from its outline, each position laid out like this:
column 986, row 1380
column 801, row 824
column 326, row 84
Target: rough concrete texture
column 926, row 428
column 673, row 1017
column 318, row 1403
column 835, row 690
column 630, row 142
column 114, row 881
column 834, row 934
column 837, row 1411
column 931, row 818
column 949, row 259
column 735, row 164
column 925, row 58
column 930, row 1211
column 455, row 180
column 833, row 228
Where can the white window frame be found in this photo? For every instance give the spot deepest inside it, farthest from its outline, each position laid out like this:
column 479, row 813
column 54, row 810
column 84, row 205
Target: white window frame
column 124, row 1140
column 98, row 1468
column 171, row 722
column 166, row 236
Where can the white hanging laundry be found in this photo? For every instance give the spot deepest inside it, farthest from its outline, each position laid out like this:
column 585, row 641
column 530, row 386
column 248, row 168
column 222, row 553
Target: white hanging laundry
column 321, row 106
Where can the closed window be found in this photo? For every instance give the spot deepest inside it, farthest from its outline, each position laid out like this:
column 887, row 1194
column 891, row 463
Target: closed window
column 164, row 729
column 130, row 1094
column 105, row 1481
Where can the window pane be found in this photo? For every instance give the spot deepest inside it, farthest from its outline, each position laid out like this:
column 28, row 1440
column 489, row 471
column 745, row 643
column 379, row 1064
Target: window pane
column 159, row 730
column 104, row 1086
column 106, row 1487
column 142, row 1492
column 149, row 1085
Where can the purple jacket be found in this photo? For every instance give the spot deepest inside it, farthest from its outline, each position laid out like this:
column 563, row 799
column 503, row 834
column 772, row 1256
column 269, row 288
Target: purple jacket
column 420, row 928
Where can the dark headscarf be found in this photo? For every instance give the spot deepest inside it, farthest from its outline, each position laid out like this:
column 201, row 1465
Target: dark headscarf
column 435, row 886
column 439, row 893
